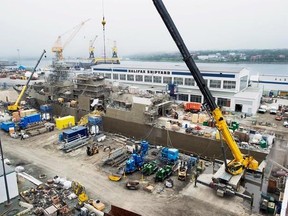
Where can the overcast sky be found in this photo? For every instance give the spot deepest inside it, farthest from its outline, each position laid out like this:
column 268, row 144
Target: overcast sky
column 33, row 25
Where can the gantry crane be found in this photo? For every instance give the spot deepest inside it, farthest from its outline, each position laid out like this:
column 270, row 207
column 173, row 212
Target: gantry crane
column 58, row 48
column 91, row 47
column 114, row 50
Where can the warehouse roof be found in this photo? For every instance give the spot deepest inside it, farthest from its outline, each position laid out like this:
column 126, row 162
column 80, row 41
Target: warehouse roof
column 249, row 93
column 168, row 66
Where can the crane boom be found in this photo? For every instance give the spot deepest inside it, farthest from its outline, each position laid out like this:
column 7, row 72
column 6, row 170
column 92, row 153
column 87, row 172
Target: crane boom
column 240, row 161
column 15, row 106
column 58, row 48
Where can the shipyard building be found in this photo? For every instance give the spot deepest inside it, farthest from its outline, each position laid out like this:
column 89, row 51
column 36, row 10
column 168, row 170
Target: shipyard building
column 229, row 86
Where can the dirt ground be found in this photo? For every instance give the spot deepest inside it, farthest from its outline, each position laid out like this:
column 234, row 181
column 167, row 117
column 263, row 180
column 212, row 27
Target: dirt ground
column 40, row 155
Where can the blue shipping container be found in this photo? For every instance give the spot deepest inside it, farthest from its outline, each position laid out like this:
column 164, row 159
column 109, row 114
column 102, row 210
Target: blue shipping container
column 30, row 119
column 6, row 125
column 75, row 133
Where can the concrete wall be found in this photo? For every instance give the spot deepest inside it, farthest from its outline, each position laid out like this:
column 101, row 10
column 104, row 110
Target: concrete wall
column 184, row 142
column 12, row 187
column 136, row 114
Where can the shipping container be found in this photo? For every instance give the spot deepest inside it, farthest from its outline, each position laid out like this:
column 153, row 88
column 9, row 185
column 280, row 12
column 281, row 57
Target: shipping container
column 74, row 133
column 6, row 125
column 65, row 122
column 30, row 119
column 192, row 106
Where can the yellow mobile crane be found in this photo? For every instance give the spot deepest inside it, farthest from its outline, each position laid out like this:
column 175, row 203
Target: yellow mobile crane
column 58, row 48
column 240, row 161
column 15, row 106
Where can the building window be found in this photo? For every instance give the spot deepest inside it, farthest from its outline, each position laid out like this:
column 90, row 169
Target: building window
column 189, row 82
column 139, row 78
column 115, row 76
column 157, row 79
column 167, row 80
column 130, row 77
column 108, row 75
column 243, row 82
column 223, row 102
column 122, row 76
column 147, row 78
column 215, row 83
column 178, row 81
column 196, row 98
column 229, row 84
column 183, row 97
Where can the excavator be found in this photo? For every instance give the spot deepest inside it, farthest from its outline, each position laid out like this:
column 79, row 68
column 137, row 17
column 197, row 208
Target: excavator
column 16, row 106
column 240, row 161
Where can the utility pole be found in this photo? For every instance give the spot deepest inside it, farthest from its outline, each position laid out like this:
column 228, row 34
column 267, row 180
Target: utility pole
column 4, row 174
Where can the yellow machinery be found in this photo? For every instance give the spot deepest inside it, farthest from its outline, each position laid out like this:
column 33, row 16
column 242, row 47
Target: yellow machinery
column 84, row 119
column 91, row 47
column 79, row 190
column 58, row 48
column 240, row 161
column 16, row 105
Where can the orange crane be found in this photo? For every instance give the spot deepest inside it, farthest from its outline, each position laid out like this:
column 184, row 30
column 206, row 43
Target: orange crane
column 58, row 47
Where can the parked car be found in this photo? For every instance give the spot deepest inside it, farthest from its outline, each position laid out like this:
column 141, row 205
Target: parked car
column 262, row 109
column 273, row 110
column 285, row 124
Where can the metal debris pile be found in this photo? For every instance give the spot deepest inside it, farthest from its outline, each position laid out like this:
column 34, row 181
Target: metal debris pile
column 58, row 195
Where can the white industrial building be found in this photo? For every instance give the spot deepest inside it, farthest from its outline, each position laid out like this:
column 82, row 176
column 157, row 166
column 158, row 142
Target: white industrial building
column 270, row 83
column 12, row 183
column 229, row 86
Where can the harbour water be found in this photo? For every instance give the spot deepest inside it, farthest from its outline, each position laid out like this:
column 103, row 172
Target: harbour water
column 261, row 69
